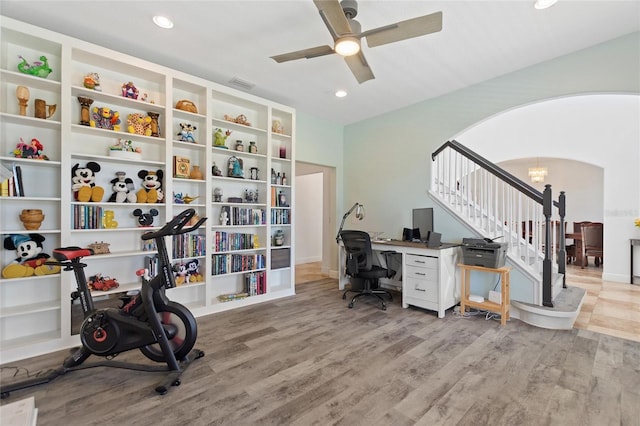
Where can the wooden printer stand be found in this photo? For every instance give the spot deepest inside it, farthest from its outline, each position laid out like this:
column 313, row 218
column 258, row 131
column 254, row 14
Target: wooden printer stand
column 502, row 308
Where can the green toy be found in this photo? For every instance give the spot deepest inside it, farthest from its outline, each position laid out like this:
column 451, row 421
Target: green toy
column 219, row 139
column 39, row 69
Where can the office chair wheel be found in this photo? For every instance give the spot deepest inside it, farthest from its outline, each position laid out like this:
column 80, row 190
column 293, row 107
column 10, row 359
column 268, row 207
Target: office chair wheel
column 384, row 307
column 350, row 305
column 344, row 296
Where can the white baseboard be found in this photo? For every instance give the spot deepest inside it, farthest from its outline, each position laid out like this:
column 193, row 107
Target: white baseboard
column 309, row 259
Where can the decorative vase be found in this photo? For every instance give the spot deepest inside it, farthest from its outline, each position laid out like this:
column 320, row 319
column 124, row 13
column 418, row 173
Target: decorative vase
column 31, row 219
column 22, row 93
column 196, row 173
column 85, row 115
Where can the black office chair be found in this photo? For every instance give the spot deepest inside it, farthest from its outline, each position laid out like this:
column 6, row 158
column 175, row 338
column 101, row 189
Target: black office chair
column 364, row 274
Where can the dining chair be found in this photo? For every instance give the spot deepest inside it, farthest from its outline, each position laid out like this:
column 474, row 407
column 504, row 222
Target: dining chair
column 592, row 238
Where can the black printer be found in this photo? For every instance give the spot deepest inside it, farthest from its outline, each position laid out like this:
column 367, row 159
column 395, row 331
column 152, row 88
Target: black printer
column 483, row 252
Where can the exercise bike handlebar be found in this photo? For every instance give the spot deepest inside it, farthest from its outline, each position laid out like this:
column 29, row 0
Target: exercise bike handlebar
column 176, row 226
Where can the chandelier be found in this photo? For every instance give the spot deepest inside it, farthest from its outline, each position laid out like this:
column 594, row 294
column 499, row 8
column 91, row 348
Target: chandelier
column 537, row 174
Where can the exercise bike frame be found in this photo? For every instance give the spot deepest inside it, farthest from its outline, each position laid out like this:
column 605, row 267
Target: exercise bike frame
column 147, row 332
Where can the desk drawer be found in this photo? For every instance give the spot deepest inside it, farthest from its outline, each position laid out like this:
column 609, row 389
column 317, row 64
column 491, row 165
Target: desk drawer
column 421, row 289
column 421, row 261
column 421, row 273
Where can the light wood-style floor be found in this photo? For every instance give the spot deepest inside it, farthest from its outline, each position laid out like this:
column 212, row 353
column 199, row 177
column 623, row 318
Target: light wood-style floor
column 309, row 360
column 609, row 307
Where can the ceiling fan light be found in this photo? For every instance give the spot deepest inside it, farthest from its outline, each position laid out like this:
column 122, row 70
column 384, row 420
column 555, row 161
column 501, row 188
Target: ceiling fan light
column 543, row 4
column 347, row 46
column 163, row 21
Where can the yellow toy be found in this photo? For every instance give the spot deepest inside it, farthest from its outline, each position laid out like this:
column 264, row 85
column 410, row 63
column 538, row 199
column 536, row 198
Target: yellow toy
column 105, row 118
column 139, row 124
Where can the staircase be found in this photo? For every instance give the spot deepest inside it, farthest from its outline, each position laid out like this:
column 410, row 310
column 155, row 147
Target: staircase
column 492, row 203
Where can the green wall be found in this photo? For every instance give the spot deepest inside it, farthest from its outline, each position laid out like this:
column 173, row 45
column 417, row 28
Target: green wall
column 388, row 156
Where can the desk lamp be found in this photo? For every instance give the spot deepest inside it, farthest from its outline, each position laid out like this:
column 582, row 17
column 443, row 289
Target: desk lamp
column 359, row 208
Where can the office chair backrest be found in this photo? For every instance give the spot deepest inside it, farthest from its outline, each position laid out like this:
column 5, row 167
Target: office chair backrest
column 357, row 245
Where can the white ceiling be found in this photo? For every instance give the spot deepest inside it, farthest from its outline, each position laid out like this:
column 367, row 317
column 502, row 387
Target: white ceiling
column 221, row 40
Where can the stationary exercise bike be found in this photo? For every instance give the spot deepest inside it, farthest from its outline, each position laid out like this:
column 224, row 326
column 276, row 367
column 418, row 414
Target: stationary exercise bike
column 163, row 330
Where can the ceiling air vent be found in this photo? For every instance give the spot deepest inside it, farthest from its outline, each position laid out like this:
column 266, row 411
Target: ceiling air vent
column 243, row 84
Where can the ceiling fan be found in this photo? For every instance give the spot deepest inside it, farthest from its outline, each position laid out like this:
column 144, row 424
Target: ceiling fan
column 346, row 33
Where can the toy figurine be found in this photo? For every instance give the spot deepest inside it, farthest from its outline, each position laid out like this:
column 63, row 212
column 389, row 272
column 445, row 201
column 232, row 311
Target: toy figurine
column 32, row 151
column 129, row 90
column 38, row 69
column 92, row 81
column 220, row 139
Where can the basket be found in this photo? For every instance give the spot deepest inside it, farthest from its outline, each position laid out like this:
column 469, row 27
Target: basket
column 187, row 105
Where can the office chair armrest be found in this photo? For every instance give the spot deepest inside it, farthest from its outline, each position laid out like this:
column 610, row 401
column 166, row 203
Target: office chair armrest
column 352, row 265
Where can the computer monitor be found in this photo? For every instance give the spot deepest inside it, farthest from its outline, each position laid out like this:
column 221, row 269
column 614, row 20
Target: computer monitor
column 423, row 220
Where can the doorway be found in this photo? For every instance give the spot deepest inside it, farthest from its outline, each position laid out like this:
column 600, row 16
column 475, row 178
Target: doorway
column 315, row 221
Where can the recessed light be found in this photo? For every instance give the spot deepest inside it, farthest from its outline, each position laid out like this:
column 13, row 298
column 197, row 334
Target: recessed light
column 163, row 21
column 341, row 94
column 543, row 4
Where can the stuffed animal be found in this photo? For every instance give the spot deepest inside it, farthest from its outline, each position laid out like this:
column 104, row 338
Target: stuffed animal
column 145, row 219
column 151, row 191
column 105, row 118
column 180, row 270
column 193, row 271
column 31, row 260
column 139, row 124
column 122, row 189
column 83, row 181
column 186, row 134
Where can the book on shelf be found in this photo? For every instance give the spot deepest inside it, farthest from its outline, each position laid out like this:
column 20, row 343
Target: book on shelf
column 181, row 167
column 17, row 177
column 11, row 184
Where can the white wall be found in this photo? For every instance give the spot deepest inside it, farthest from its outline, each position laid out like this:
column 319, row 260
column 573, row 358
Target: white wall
column 582, row 183
column 602, row 130
column 308, row 225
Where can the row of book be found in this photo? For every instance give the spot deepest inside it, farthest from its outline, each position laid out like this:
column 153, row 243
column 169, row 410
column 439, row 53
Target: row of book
column 280, row 217
column 246, row 215
column 11, row 184
column 225, row 241
column 229, row 263
column 88, row 216
column 188, row 245
column 255, row 283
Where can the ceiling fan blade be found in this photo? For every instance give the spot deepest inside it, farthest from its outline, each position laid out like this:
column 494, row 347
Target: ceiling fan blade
column 359, row 67
column 306, row 54
column 403, row 30
column 333, row 17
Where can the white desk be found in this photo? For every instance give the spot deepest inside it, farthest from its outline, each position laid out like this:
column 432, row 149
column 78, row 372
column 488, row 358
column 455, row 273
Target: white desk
column 430, row 279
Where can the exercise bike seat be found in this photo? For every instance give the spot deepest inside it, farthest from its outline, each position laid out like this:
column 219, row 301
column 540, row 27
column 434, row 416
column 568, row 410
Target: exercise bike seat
column 69, row 253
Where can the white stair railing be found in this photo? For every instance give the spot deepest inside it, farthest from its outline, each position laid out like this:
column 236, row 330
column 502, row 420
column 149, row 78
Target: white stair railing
column 499, row 206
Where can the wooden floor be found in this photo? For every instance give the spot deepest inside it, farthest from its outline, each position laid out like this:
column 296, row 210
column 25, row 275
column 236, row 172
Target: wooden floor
column 309, row 360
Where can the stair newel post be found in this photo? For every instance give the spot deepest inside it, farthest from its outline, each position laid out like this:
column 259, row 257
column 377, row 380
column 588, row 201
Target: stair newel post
column 562, row 253
column 547, row 205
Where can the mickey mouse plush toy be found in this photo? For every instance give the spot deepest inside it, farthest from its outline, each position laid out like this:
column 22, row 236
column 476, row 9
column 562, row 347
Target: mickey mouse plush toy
column 31, row 260
column 122, row 189
column 151, row 190
column 83, row 179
